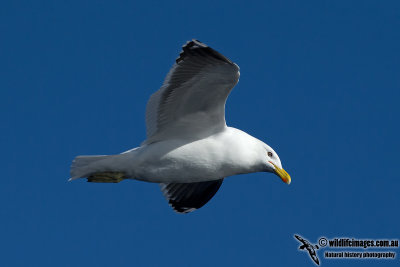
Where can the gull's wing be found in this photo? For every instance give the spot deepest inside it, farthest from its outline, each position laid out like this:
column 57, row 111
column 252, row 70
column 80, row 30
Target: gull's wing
column 315, row 258
column 187, row 197
column 191, row 102
column 300, row 239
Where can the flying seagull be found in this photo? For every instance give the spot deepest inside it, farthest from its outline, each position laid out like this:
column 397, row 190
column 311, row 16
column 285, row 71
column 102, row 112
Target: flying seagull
column 309, row 247
column 189, row 149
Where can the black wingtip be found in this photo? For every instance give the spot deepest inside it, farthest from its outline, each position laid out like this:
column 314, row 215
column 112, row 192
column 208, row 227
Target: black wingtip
column 187, row 197
column 197, row 48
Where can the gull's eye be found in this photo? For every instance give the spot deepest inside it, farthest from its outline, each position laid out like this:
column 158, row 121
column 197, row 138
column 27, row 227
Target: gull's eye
column 269, row 154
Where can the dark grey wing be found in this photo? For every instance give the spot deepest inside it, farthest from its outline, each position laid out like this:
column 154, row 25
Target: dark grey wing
column 300, row 239
column 191, row 102
column 313, row 254
column 187, row 197
column 314, row 257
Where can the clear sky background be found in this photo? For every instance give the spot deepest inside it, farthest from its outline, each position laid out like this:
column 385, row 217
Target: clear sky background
column 319, row 83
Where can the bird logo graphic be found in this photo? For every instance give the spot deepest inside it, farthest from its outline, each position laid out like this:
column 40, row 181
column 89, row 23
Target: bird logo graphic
column 309, row 247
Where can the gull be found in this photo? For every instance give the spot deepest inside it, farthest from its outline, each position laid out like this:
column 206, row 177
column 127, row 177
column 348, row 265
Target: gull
column 309, row 247
column 189, row 149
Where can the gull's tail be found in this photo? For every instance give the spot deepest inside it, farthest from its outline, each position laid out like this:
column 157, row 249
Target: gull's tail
column 96, row 169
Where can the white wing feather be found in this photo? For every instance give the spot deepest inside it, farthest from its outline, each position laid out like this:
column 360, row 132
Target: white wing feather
column 191, row 101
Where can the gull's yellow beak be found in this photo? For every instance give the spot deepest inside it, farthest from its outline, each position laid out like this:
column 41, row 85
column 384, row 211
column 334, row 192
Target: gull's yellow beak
column 282, row 174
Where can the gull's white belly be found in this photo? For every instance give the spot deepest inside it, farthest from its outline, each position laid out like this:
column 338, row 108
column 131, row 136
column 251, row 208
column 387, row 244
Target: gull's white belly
column 212, row 158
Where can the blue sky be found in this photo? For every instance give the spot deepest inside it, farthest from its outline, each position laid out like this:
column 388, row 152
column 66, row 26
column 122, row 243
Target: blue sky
column 319, row 83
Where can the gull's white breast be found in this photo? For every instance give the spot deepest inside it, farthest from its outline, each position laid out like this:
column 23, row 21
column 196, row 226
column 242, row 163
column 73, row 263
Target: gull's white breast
column 220, row 155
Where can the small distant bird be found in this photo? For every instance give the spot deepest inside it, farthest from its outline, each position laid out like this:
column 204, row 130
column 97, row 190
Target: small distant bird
column 309, row 247
column 189, row 149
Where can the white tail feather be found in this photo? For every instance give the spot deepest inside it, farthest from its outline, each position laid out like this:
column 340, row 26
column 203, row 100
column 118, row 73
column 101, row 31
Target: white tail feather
column 83, row 166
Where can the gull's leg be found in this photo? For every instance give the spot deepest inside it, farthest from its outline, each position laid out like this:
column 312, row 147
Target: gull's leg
column 106, row 177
